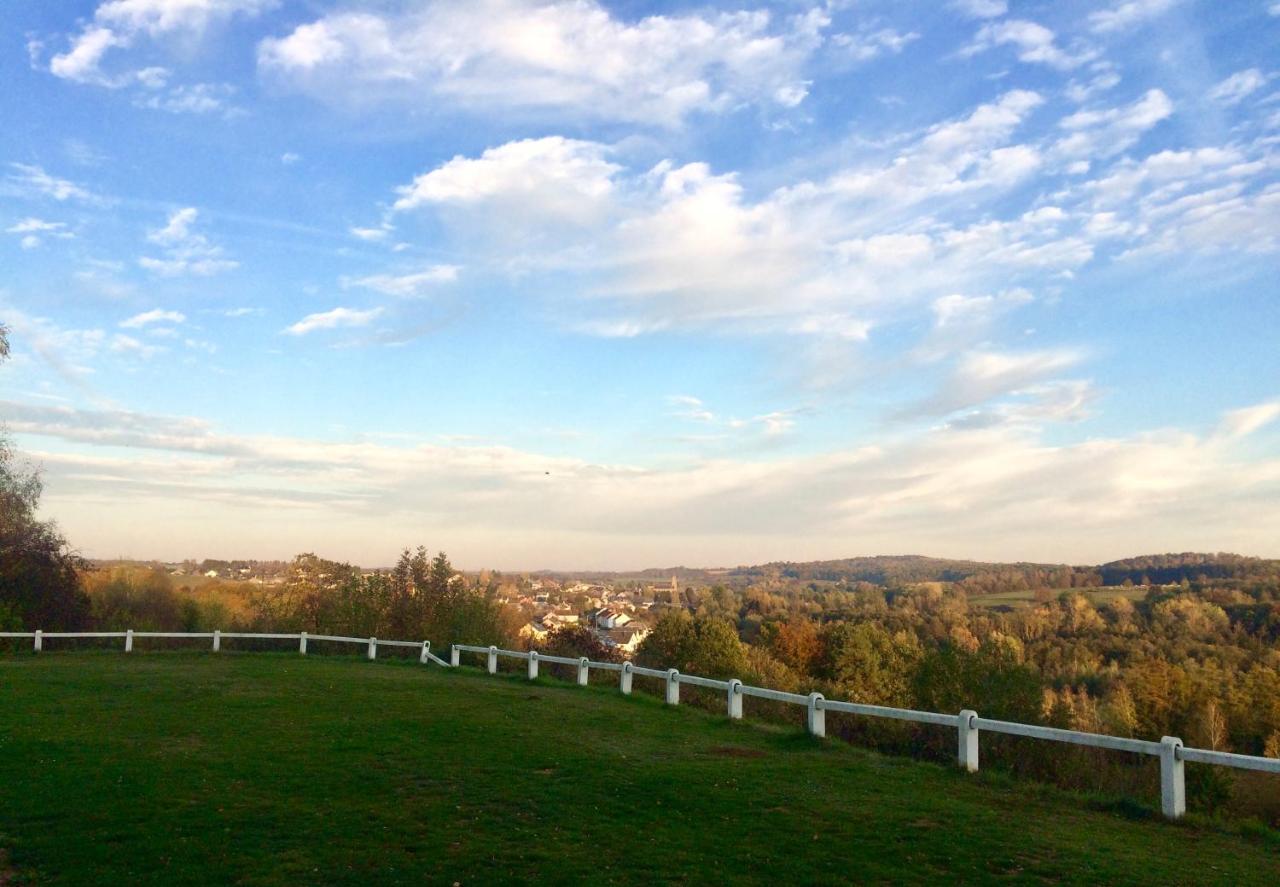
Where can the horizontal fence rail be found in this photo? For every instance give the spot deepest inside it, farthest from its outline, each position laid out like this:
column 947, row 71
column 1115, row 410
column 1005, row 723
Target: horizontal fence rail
column 370, row 644
column 967, row 724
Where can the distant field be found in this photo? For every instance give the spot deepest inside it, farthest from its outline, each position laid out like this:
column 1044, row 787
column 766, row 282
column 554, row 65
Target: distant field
column 190, row 768
column 1026, row 598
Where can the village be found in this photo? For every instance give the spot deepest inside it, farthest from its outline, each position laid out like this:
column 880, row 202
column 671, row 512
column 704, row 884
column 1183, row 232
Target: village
column 620, row 617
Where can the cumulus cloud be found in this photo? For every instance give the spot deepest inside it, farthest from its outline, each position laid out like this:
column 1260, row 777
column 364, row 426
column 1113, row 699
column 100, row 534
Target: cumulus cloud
column 564, row 177
column 119, row 24
column 573, row 59
column 684, row 246
column 328, row 320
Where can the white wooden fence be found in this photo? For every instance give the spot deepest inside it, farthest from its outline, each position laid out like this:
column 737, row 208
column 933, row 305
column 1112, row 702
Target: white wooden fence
column 967, row 723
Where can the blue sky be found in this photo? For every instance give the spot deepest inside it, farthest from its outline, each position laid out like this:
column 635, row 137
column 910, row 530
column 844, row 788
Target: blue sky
column 578, row 284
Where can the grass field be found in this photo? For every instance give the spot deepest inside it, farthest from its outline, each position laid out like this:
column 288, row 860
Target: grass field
column 191, row 768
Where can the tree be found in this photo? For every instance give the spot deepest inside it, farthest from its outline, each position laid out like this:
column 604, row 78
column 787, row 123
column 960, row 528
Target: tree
column 797, row 645
column 39, row 572
column 699, row 645
column 869, row 663
column 576, row 641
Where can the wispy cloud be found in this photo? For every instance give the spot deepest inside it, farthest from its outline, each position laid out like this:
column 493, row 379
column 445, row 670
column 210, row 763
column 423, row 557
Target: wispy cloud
column 186, row 252
column 156, row 315
column 34, row 181
column 412, row 285
column 333, row 319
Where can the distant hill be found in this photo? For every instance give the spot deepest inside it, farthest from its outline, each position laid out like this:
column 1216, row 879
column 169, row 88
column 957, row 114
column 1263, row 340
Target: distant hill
column 977, row 577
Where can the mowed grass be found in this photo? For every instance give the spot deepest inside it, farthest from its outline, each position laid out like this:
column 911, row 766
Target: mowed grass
column 194, row 768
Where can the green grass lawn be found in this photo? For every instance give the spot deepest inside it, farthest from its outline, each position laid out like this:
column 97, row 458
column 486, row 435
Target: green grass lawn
column 193, row 768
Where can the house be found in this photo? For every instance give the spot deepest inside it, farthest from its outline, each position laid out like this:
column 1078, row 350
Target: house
column 610, row 618
column 625, row 640
column 534, row 631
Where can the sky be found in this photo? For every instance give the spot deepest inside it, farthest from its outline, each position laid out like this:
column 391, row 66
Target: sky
column 589, row 285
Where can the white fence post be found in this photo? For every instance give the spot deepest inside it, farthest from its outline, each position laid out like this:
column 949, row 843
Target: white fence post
column 967, row 728
column 583, row 671
column 1173, row 786
column 373, row 648
column 533, row 664
column 624, row 683
column 302, row 643
column 426, row 651
column 128, row 641
column 217, row 640
column 673, row 687
column 817, row 720
column 493, row 659
column 454, row 654
column 735, row 699
column 39, row 641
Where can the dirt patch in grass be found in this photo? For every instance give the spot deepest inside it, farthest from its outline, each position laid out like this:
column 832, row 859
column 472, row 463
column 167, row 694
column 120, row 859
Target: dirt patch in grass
column 733, row 751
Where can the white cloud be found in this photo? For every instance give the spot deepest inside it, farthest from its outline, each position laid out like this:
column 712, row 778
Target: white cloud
column 1101, row 134
column 32, row 230
column 1035, row 44
column 1127, row 14
column 117, row 24
column 369, row 234
column 571, row 58
column 982, row 491
column 185, row 251
column 1238, row 87
column 1105, row 79
column 682, row 246
column 565, row 177
column 34, row 180
column 864, row 46
column 328, row 320
column 156, row 315
column 981, row 8
column 34, row 225
column 1248, row 420
column 289, row 158
column 981, row 376
column 131, row 347
column 196, row 98
column 416, row 284
column 81, row 62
